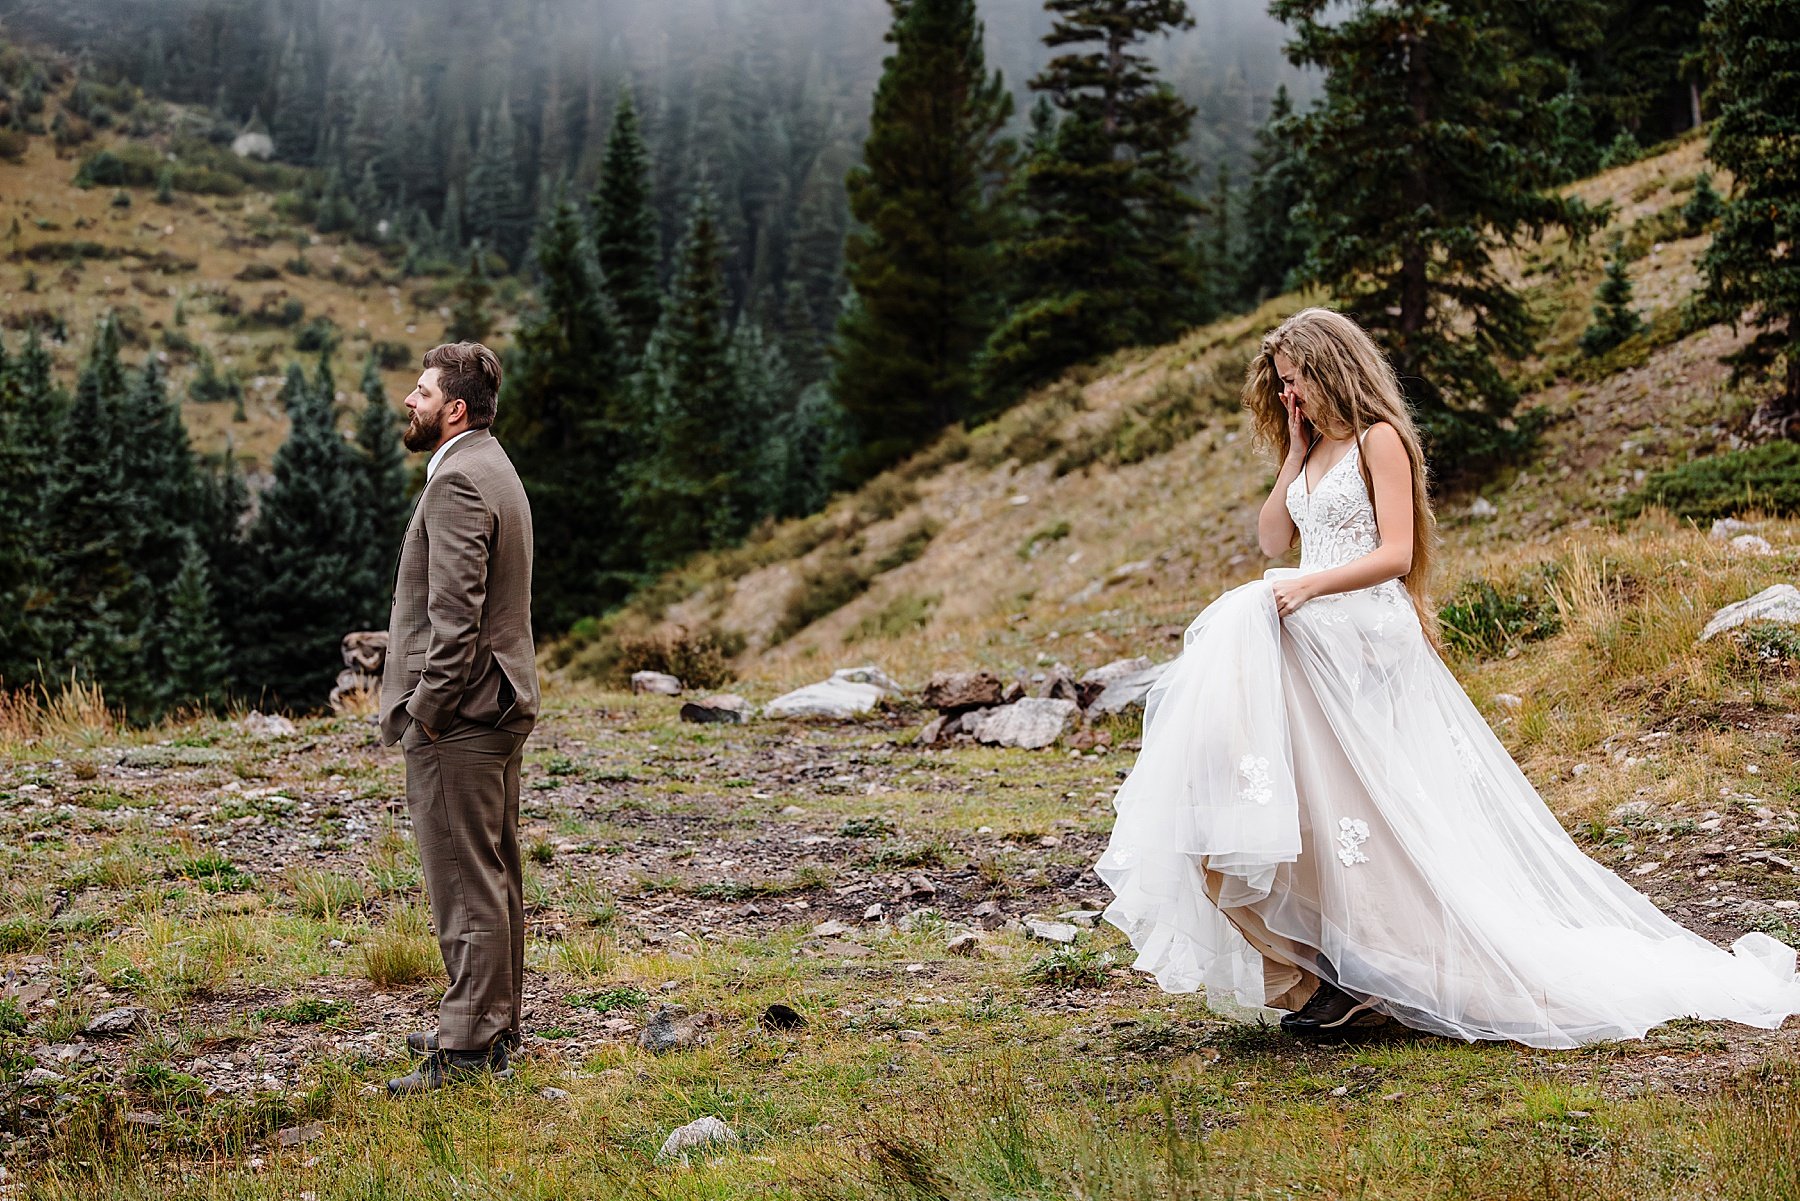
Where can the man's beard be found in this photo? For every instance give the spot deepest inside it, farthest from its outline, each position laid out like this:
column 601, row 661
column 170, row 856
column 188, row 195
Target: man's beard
column 423, row 435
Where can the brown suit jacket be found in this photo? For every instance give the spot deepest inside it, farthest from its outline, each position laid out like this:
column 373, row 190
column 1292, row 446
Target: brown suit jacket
column 459, row 640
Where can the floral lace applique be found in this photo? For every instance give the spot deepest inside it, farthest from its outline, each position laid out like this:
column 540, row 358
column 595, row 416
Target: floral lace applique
column 1257, row 784
column 1352, row 833
column 1336, row 521
column 1465, row 750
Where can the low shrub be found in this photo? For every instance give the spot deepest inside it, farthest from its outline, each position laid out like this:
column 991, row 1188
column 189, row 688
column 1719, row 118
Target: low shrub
column 1765, row 478
column 1486, row 618
column 699, row 658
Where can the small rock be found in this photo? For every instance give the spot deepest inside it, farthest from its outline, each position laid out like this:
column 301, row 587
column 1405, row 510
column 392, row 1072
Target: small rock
column 267, row 725
column 1085, row 918
column 1062, row 932
column 550, row 1093
column 967, row 943
column 1031, row 724
column 782, row 1017
column 697, row 1136
column 1645, row 868
column 1630, row 811
column 874, row 912
column 910, row 1036
column 871, row 676
column 1482, row 509
column 293, row 1136
column 1126, row 692
column 655, row 682
column 1727, row 528
column 671, row 1029
column 955, row 691
column 1777, row 603
column 792, row 811
column 115, row 1023
column 933, row 733
column 920, row 886
column 1751, row 544
column 1509, row 702
column 831, row 928
column 143, row 1117
column 725, row 709
column 43, row 1077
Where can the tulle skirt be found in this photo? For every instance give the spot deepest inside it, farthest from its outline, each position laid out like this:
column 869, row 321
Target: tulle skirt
column 1318, row 798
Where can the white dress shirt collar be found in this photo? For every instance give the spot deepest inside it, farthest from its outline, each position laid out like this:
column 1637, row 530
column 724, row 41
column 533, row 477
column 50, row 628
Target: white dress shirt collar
column 438, row 457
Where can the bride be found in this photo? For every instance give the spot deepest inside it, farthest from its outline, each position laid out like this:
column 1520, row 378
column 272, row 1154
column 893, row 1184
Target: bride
column 1321, row 822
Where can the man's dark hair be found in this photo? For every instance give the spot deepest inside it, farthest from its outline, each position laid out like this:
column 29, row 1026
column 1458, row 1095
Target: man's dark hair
column 469, row 372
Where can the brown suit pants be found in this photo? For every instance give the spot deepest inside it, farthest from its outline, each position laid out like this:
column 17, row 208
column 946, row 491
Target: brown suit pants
column 463, row 793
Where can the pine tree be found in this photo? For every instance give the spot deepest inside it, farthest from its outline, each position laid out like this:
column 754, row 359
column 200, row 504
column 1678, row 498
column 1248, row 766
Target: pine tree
column 382, row 495
column 1421, row 161
column 470, row 319
column 1751, row 267
column 495, row 205
column 299, row 104
column 94, row 526
column 1277, row 239
column 307, row 566
column 1222, row 264
column 625, row 230
column 223, row 538
column 686, row 493
column 561, row 421
column 196, row 668
column 1703, row 207
column 1104, row 254
column 811, row 441
column 1614, row 318
column 923, row 256
column 29, row 412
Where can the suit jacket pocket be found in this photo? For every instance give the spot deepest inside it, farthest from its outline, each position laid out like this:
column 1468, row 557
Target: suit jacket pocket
column 415, row 663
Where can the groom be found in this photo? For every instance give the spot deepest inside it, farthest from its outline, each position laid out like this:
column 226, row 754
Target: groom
column 460, row 695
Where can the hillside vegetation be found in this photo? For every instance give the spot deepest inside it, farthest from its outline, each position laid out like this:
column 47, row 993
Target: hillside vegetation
column 221, row 273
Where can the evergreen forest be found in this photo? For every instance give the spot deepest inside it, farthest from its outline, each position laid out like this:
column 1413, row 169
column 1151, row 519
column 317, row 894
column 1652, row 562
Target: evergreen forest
column 770, row 248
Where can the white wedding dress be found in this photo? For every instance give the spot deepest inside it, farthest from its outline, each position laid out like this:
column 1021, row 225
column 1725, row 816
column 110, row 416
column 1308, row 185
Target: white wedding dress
column 1317, row 797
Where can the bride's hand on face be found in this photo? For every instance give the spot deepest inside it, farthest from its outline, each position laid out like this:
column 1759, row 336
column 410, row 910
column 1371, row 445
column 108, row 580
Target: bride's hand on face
column 1290, row 594
column 1299, row 431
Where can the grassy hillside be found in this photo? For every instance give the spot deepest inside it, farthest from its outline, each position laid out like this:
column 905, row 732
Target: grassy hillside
column 246, row 278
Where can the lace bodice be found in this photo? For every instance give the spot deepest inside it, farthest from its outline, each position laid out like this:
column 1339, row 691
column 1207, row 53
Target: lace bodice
column 1336, row 520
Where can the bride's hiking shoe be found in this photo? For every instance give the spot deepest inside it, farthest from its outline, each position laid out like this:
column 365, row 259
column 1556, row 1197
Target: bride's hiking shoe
column 1333, row 1013
column 421, row 1043
column 441, row 1067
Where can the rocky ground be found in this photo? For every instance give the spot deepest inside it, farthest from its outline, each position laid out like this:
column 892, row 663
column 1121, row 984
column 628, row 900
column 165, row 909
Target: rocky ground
column 227, row 923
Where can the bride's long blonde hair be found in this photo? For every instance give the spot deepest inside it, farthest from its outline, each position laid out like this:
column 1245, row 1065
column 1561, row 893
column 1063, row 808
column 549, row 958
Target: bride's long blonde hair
column 1350, row 386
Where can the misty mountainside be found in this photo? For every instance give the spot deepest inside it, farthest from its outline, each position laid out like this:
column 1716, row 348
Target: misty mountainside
column 1096, row 518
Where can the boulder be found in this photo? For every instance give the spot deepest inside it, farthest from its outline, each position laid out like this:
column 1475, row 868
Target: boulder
column 1727, row 528
column 1060, row 685
column 1118, row 669
column 1031, row 723
column 656, row 683
column 956, row 691
column 833, row 698
column 727, row 708
column 354, row 690
column 1777, row 603
column 365, row 651
column 1127, row 691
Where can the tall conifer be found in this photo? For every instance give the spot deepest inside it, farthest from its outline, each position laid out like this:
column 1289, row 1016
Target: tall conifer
column 1752, row 263
column 308, row 575
column 560, row 420
column 923, row 256
column 382, row 495
column 1105, row 253
column 625, row 233
column 1421, row 162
